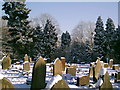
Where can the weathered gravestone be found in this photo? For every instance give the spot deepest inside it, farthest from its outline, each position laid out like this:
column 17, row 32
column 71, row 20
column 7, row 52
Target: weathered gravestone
column 6, row 62
column 30, row 60
column 26, row 66
column 117, row 77
column 105, row 65
column 26, row 58
column 71, row 70
column 111, row 63
column 57, row 67
column 5, row 84
column 84, row 80
column 57, row 83
column 63, row 60
column 115, row 67
column 106, row 82
column 91, row 69
column 39, row 74
column 98, row 68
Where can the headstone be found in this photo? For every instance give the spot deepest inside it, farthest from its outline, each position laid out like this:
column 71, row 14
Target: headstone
column 98, row 68
column 26, row 66
column 117, row 76
column 111, row 63
column 6, row 62
column 57, row 83
column 26, row 58
column 105, row 65
column 6, row 84
column 84, row 80
column 57, row 67
column 39, row 74
column 63, row 60
column 71, row 70
column 106, row 82
column 30, row 60
column 115, row 67
column 91, row 69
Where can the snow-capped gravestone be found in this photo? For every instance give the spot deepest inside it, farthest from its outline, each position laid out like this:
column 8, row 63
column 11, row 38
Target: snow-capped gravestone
column 98, row 67
column 57, row 67
column 26, row 58
column 57, row 82
column 106, row 82
column 71, row 70
column 5, row 84
column 115, row 67
column 84, row 80
column 105, row 65
column 63, row 60
column 6, row 62
column 111, row 63
column 26, row 66
column 39, row 74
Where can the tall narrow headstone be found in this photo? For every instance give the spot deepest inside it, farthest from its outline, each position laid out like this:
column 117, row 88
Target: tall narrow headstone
column 26, row 58
column 98, row 68
column 39, row 74
column 106, row 82
column 57, row 67
column 6, row 62
column 63, row 60
column 111, row 63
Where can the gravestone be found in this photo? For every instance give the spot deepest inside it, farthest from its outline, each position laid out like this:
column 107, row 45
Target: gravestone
column 105, row 65
column 57, row 67
column 26, row 66
column 6, row 62
column 84, row 80
column 91, row 69
column 26, row 58
column 63, row 60
column 6, row 84
column 111, row 63
column 71, row 70
column 30, row 60
column 115, row 67
column 117, row 76
column 39, row 74
column 98, row 68
column 106, row 82
column 57, row 83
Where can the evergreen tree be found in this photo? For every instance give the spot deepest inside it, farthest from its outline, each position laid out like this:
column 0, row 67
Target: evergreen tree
column 20, row 32
column 109, row 35
column 65, row 40
column 49, row 40
column 99, row 38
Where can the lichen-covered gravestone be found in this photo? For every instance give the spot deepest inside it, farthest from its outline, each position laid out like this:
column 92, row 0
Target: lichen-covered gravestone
column 39, row 74
column 26, row 58
column 98, row 68
column 57, row 83
column 5, row 84
column 106, row 82
column 71, row 70
column 26, row 66
column 111, row 63
column 6, row 62
column 63, row 60
column 84, row 80
column 57, row 67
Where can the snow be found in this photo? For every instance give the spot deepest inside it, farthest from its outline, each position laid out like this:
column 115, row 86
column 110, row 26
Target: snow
column 102, row 71
column 99, row 82
column 54, row 80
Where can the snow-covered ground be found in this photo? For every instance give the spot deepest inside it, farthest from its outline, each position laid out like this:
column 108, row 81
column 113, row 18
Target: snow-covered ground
column 20, row 78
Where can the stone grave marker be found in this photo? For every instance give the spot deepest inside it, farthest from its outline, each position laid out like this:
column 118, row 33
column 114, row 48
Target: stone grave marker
column 26, row 66
column 91, row 69
column 105, row 65
column 115, row 67
column 57, row 83
column 57, row 67
column 26, row 58
column 84, row 80
column 117, row 76
column 30, row 60
column 71, row 70
column 106, row 82
column 39, row 74
column 111, row 63
column 63, row 60
column 98, row 68
column 6, row 62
